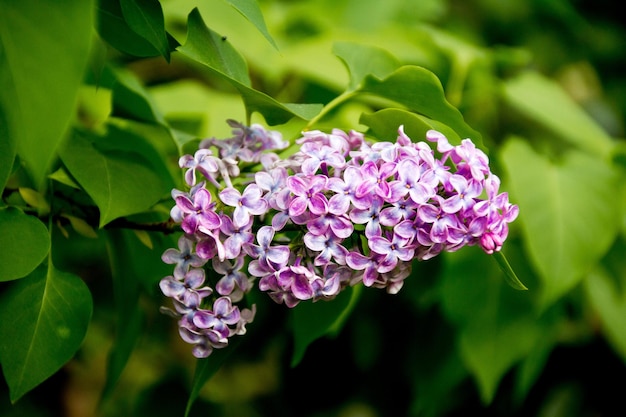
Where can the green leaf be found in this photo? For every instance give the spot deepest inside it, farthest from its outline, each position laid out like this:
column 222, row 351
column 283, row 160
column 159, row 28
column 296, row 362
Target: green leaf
column 129, row 316
column 362, row 60
column 116, row 31
column 206, row 368
column 250, row 10
column 145, row 18
column 608, row 298
column 209, row 49
column 119, row 182
column 565, row 219
column 130, row 99
column 420, row 90
column 25, row 242
column 43, row 320
column 314, row 320
column 509, row 275
column 384, row 125
column 545, row 102
column 495, row 329
column 44, row 52
column 7, row 144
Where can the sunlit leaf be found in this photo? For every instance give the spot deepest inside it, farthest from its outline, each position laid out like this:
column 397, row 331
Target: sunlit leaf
column 43, row 55
column 384, row 125
column 564, row 215
column 120, row 182
column 545, row 102
column 43, row 320
column 213, row 51
column 25, row 242
column 362, row 60
column 250, row 10
column 314, row 320
column 145, row 18
column 420, row 90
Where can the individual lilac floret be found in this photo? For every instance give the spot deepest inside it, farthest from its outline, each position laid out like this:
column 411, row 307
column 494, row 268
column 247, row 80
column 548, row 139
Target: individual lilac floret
column 184, row 257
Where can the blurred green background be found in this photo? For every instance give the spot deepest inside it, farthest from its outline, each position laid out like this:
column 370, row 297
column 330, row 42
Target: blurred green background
column 396, row 355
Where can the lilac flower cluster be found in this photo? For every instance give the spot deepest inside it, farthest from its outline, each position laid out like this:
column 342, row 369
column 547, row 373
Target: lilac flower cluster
column 337, row 212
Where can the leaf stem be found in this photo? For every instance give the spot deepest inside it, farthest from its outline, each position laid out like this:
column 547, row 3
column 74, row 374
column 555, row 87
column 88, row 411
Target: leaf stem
column 343, row 97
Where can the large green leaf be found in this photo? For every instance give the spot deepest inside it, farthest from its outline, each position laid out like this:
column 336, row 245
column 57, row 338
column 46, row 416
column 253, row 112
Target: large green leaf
column 250, row 10
column 7, row 143
column 565, row 214
column 145, row 18
column 214, row 52
column 119, row 182
column 545, row 102
column 113, row 27
column 384, row 125
column 43, row 320
column 310, row 321
column 362, row 60
column 605, row 288
column 25, row 242
column 44, row 49
column 129, row 317
column 420, row 90
column 495, row 328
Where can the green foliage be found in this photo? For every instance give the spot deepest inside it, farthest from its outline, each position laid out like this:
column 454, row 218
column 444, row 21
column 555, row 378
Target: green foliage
column 45, row 48
column 99, row 101
column 25, row 243
column 44, row 319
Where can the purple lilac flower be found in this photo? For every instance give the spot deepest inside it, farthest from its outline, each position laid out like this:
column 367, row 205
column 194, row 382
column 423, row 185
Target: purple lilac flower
column 233, row 283
column 184, row 257
column 370, row 216
column 202, row 161
column 248, row 203
column 413, row 203
column 237, row 236
column 308, row 193
column 197, row 210
column 394, row 249
column 329, row 247
column 264, row 253
column 320, row 156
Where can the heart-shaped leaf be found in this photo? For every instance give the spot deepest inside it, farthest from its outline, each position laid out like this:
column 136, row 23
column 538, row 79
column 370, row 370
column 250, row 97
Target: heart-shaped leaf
column 362, row 60
column 25, row 242
column 145, row 18
column 566, row 222
column 420, row 90
column 119, row 182
column 545, row 102
column 384, row 125
column 43, row 321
